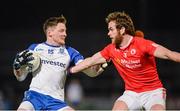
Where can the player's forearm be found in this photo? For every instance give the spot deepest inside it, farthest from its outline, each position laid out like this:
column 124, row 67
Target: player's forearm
column 17, row 73
column 164, row 53
column 91, row 72
column 174, row 56
column 88, row 62
column 20, row 76
column 81, row 66
column 94, row 71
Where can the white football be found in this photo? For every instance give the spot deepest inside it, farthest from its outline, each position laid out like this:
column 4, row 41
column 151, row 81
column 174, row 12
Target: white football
column 25, row 69
column 36, row 62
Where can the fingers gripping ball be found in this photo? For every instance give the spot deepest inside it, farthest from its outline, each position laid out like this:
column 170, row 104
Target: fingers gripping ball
column 22, row 59
column 27, row 61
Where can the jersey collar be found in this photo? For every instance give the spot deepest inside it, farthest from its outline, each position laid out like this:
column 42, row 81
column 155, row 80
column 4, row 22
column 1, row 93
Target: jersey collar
column 52, row 45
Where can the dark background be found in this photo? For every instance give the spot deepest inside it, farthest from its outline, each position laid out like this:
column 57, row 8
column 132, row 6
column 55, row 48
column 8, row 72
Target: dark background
column 21, row 25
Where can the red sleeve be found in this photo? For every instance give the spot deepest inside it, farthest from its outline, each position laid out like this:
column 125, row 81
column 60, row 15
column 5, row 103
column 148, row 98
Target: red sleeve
column 150, row 47
column 106, row 52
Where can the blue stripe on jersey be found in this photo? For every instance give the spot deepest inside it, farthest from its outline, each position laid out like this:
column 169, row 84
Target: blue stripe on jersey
column 32, row 46
column 75, row 56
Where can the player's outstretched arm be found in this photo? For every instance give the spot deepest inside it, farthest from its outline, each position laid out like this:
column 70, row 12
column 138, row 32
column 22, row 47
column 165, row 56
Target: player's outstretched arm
column 88, row 62
column 164, row 53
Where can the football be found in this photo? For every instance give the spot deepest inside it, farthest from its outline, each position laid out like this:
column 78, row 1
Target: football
column 36, row 61
column 27, row 68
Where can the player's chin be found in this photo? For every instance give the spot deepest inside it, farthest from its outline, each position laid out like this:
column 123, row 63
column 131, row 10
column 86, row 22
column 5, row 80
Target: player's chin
column 62, row 42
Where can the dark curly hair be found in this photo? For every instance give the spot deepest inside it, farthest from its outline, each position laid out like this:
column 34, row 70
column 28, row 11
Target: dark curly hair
column 122, row 20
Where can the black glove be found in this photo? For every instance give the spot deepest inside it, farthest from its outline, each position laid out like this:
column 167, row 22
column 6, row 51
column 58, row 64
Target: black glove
column 22, row 58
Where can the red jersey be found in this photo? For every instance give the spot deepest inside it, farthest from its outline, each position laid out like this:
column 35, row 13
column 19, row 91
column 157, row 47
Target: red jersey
column 135, row 63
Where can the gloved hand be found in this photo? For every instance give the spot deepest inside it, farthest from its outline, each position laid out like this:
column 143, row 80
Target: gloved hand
column 22, row 58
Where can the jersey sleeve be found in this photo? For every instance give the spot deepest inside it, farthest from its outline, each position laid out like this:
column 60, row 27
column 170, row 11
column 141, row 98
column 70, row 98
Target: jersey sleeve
column 75, row 56
column 106, row 52
column 150, row 47
column 32, row 46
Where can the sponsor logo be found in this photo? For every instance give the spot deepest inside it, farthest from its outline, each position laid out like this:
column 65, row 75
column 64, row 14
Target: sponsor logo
column 50, row 51
column 39, row 49
column 131, row 64
column 54, row 63
column 61, row 51
column 133, row 51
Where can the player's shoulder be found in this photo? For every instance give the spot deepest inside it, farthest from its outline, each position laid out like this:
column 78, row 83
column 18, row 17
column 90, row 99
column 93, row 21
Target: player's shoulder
column 71, row 49
column 142, row 43
column 32, row 46
column 110, row 46
column 139, row 40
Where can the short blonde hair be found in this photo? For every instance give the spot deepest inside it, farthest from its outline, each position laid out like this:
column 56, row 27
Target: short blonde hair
column 53, row 21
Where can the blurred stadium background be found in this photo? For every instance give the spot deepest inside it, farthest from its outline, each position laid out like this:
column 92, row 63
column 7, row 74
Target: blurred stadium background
column 21, row 25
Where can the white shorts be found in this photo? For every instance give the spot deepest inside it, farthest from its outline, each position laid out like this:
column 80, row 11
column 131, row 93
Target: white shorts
column 136, row 101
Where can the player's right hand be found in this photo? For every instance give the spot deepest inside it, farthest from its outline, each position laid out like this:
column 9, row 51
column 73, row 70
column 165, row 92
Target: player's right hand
column 21, row 59
column 104, row 65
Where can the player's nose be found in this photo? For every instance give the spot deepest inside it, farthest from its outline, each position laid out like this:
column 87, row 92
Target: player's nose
column 65, row 34
column 108, row 34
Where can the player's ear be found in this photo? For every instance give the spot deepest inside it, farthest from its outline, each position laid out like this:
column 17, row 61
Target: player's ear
column 49, row 32
column 122, row 30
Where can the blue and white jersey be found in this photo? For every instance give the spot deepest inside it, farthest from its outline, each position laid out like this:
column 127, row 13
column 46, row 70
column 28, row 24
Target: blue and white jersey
column 51, row 76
